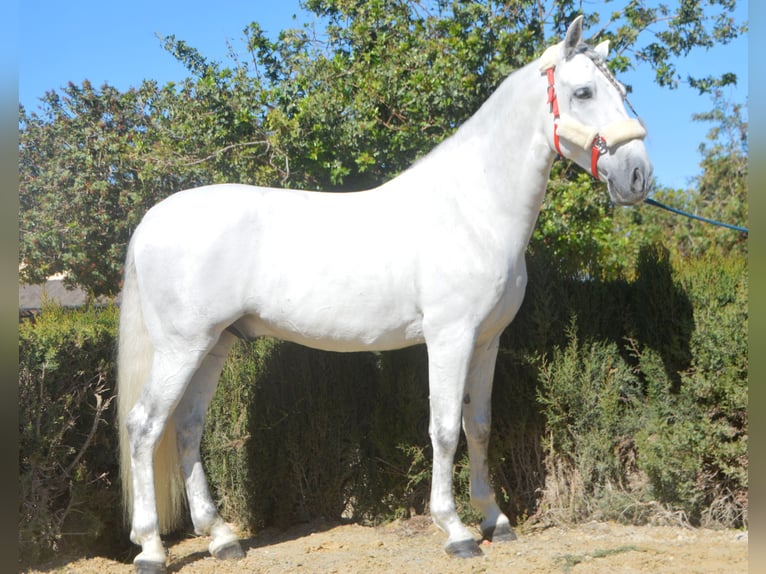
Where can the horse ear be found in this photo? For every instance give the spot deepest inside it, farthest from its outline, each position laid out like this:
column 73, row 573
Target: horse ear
column 574, row 35
column 602, row 49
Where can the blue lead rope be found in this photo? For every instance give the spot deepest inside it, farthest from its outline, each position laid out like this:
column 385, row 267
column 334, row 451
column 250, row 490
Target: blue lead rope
column 656, row 203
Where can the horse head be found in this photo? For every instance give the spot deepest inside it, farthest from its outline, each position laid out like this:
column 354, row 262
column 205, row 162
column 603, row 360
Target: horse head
column 590, row 124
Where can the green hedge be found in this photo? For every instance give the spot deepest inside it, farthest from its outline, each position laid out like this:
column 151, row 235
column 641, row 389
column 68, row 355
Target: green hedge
column 622, row 399
column 69, row 490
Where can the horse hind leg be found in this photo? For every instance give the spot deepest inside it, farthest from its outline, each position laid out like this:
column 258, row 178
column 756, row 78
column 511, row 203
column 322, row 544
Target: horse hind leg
column 146, row 423
column 476, row 424
column 149, row 419
column 189, row 419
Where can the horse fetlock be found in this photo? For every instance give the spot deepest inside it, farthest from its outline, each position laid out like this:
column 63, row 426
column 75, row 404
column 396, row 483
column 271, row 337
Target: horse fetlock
column 206, row 523
column 147, row 537
column 459, row 537
column 483, row 498
column 445, row 518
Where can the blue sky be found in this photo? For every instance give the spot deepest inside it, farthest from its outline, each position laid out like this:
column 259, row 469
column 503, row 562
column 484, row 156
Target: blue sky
column 117, row 43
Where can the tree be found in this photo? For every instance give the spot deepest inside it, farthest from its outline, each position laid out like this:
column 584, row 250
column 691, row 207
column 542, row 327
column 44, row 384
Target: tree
column 721, row 190
column 95, row 161
column 80, row 182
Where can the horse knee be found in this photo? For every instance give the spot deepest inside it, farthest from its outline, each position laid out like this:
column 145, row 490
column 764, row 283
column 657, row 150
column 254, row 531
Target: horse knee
column 444, row 438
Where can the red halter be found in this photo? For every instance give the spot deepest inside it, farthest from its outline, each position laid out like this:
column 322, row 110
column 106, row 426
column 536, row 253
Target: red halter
column 598, row 147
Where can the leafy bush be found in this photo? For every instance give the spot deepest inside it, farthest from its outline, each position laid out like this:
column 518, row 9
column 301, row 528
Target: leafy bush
column 67, row 443
column 587, row 393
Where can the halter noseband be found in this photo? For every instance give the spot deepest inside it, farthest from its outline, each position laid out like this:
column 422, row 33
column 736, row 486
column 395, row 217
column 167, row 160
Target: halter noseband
column 574, row 131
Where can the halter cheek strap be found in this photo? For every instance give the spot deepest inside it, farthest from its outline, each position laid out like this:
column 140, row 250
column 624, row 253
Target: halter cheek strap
column 579, row 134
column 553, row 102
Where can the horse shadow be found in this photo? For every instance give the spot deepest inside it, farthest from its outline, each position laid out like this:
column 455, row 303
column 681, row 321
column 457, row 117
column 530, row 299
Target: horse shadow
column 653, row 311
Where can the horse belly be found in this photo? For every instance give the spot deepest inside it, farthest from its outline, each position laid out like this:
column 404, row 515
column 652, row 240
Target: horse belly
column 345, row 324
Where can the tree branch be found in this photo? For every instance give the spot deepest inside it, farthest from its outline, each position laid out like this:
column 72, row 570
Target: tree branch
column 101, row 406
column 229, row 148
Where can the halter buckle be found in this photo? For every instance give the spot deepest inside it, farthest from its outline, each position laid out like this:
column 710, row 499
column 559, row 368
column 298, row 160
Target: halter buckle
column 599, row 144
column 598, row 149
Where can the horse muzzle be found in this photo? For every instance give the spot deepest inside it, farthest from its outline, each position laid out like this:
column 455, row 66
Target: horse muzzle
column 628, row 174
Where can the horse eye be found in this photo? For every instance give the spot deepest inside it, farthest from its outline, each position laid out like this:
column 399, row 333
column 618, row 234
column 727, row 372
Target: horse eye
column 583, row 93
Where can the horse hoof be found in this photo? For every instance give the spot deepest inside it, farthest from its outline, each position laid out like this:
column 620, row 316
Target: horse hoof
column 229, row 551
column 147, row 567
column 501, row 533
column 464, row 549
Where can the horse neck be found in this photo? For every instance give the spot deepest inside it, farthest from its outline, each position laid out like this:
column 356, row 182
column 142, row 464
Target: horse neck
column 498, row 163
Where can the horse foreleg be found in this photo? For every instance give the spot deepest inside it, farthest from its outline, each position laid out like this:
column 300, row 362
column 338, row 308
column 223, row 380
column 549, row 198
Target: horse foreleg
column 190, row 421
column 477, row 414
column 448, row 360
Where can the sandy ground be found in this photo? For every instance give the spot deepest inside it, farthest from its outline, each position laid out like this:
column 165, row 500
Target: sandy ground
column 415, row 546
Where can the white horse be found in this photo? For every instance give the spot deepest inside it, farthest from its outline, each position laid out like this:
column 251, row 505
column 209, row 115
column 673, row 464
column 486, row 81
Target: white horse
column 434, row 256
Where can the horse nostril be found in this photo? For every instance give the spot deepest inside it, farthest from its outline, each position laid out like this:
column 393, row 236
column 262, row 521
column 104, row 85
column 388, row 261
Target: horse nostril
column 638, row 180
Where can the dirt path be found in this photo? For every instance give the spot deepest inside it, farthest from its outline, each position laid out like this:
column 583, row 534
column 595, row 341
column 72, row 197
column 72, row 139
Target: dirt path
column 415, row 546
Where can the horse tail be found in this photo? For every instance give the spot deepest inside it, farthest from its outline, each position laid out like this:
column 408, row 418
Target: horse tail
column 134, row 361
